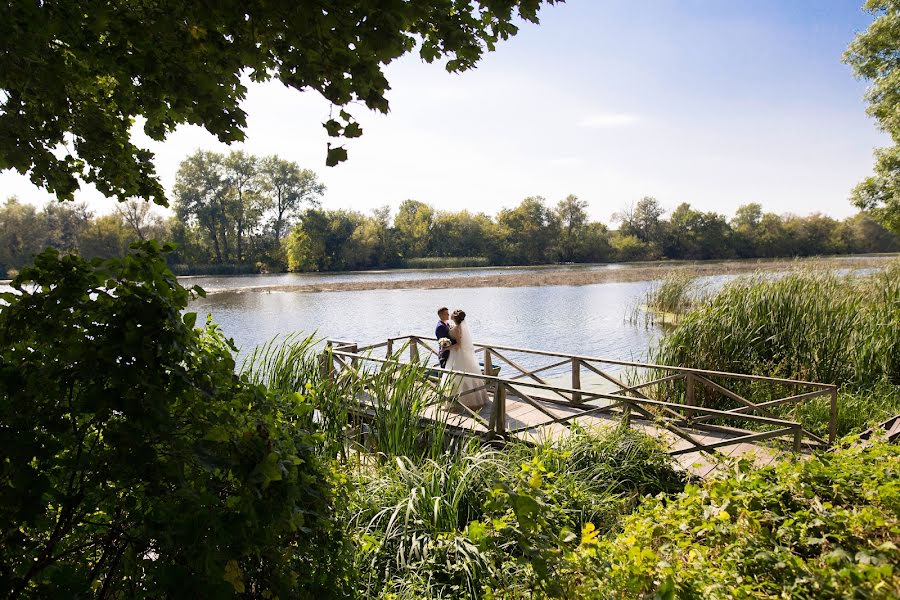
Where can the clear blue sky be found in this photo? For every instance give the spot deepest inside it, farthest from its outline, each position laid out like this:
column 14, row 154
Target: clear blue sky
column 717, row 103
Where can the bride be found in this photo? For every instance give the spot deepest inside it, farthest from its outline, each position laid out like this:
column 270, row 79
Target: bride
column 471, row 390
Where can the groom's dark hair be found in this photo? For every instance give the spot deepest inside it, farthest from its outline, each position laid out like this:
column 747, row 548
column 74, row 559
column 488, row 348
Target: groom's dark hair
column 442, row 309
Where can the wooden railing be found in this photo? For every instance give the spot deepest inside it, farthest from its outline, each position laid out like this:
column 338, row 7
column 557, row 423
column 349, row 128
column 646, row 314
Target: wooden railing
column 672, row 398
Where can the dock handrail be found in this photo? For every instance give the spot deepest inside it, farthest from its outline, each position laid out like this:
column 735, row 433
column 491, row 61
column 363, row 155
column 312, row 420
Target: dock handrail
column 623, row 401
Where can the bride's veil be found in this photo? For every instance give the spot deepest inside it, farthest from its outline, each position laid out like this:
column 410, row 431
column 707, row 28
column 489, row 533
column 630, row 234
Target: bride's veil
column 466, row 344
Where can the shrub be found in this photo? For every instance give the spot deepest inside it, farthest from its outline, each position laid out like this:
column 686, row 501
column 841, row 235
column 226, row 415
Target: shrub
column 136, row 462
column 827, row 527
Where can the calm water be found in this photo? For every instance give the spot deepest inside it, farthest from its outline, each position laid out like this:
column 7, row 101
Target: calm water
column 589, row 320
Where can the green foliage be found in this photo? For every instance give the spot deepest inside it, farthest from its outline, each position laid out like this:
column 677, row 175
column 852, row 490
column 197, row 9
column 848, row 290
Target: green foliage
column 873, row 56
column 827, row 527
column 136, row 462
column 236, row 208
column 473, row 521
column 528, row 233
column 809, row 325
column 74, row 74
column 818, row 326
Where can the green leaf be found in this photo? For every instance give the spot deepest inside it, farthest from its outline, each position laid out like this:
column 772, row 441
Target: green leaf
column 332, row 127
column 353, row 130
column 190, row 319
column 335, row 156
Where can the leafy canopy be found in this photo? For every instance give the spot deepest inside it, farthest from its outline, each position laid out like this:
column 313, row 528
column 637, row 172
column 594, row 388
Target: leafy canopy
column 874, row 56
column 74, row 74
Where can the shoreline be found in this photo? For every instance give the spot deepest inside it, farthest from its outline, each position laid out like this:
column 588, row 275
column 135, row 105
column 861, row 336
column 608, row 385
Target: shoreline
column 576, row 277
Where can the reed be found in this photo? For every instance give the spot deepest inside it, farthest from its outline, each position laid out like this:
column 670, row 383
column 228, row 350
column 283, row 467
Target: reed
column 810, row 325
column 675, row 294
column 446, row 262
column 400, row 396
column 293, row 364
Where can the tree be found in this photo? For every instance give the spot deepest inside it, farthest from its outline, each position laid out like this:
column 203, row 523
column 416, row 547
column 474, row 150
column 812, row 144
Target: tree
column 105, row 237
column 528, row 233
column 413, row 225
column 245, row 204
column 695, row 235
column 74, row 73
column 22, row 235
column 745, row 225
column 573, row 219
column 139, row 217
column 200, row 196
column 288, row 188
column 642, row 220
column 873, row 56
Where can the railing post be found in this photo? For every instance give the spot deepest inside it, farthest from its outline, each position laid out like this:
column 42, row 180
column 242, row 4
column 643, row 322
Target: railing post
column 354, row 362
column 626, row 414
column 500, row 409
column 327, row 362
column 689, row 394
column 576, row 379
column 413, row 350
column 390, row 348
column 832, row 419
column 488, row 366
column 798, row 436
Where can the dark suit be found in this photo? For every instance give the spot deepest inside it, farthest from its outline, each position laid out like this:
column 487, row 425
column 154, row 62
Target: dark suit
column 442, row 330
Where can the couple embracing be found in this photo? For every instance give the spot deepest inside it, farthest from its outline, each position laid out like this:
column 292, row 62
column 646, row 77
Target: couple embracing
column 458, row 354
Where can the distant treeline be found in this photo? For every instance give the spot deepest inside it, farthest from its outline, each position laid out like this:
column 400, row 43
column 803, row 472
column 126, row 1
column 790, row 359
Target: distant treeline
column 238, row 213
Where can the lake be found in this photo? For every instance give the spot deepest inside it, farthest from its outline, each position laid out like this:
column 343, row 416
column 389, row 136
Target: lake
column 589, row 320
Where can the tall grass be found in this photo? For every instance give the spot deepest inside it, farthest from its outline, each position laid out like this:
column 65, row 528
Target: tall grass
column 401, row 396
column 446, row 262
column 413, row 518
column 674, row 294
column 811, row 325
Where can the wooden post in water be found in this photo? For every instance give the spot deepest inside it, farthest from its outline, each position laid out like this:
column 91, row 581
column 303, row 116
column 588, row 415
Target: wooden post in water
column 500, row 409
column 832, row 418
column 576, row 380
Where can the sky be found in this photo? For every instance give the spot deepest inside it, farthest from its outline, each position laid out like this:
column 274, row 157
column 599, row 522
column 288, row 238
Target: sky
column 712, row 102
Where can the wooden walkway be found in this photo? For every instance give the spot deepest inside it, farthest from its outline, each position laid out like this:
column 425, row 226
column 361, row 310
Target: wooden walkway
column 557, row 392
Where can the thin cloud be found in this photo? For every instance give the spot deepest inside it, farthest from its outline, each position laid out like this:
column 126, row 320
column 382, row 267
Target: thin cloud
column 609, row 120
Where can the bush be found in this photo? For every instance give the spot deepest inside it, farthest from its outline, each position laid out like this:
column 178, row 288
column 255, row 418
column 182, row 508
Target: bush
column 827, row 527
column 136, row 462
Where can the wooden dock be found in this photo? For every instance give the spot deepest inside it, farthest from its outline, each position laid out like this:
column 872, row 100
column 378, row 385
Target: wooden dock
column 557, row 392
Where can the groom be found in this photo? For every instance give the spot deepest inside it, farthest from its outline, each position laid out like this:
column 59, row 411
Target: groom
column 442, row 330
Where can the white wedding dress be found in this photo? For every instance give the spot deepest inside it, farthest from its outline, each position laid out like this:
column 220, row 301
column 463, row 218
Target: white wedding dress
column 470, row 390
